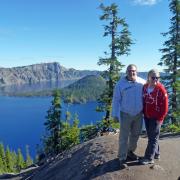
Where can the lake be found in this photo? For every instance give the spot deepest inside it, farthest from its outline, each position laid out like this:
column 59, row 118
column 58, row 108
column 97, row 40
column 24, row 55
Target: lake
column 22, row 119
column 50, row 85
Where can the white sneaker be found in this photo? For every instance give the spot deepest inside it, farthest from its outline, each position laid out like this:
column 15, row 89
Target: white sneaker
column 157, row 156
column 146, row 161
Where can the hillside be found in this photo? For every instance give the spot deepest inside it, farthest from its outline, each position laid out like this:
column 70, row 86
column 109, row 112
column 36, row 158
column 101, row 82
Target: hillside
column 86, row 89
column 39, row 73
column 97, row 159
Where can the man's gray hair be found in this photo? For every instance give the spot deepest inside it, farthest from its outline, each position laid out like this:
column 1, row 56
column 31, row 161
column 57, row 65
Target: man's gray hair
column 131, row 65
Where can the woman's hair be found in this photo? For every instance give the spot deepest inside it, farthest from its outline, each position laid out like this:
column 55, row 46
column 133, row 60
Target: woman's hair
column 152, row 71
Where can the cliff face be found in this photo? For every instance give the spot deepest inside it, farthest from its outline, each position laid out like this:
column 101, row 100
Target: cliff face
column 38, row 73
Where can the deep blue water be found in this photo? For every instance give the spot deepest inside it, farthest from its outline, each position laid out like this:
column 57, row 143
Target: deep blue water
column 22, row 120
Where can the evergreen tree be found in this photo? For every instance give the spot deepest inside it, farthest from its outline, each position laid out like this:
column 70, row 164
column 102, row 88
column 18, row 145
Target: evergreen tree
column 20, row 160
column 9, row 160
column 53, row 140
column 3, row 158
column 14, row 161
column 75, row 131
column 1, row 166
column 68, row 116
column 70, row 133
column 171, row 60
column 29, row 161
column 117, row 29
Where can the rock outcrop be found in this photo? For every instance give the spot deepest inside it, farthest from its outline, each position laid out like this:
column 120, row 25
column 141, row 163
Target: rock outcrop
column 39, row 73
column 97, row 159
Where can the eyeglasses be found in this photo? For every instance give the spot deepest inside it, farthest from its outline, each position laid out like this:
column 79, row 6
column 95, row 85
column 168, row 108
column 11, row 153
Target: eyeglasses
column 155, row 78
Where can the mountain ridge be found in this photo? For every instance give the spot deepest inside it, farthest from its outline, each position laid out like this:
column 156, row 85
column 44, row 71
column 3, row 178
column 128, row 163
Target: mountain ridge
column 38, row 73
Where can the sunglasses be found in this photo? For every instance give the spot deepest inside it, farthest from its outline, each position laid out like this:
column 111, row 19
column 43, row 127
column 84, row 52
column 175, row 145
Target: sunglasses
column 155, row 78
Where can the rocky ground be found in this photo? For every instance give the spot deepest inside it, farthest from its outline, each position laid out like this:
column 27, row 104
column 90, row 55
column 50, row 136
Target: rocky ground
column 97, row 159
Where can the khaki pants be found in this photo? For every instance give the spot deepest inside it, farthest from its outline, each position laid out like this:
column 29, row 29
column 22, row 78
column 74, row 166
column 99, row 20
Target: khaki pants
column 130, row 129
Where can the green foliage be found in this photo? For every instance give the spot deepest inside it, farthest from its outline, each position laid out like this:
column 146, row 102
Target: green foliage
column 9, row 160
column 115, row 125
column 75, row 131
column 68, row 116
column 86, row 89
column 88, row 132
column 171, row 128
column 70, row 134
column 117, row 29
column 109, row 125
column 170, row 59
column 61, row 135
column 29, row 160
column 3, row 158
column 53, row 124
column 91, row 131
column 14, row 160
column 20, row 161
column 1, row 165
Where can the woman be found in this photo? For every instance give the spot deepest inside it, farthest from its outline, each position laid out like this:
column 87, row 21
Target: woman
column 155, row 107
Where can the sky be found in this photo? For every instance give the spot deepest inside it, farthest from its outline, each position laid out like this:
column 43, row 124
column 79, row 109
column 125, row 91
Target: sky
column 71, row 33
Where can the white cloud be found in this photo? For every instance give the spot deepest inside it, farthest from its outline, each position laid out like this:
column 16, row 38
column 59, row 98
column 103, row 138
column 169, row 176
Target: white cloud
column 146, row 2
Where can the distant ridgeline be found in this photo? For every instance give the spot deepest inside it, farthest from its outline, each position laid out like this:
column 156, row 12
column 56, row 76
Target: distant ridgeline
column 39, row 73
column 88, row 85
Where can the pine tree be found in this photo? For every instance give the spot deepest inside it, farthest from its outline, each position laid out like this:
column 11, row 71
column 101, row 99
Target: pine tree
column 14, row 161
column 75, row 131
column 117, row 29
column 1, row 166
column 20, row 160
column 3, row 158
column 53, row 140
column 70, row 133
column 171, row 60
column 9, row 160
column 68, row 116
column 29, row 161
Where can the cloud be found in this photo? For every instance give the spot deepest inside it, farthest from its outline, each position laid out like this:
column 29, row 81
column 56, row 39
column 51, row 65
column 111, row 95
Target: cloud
column 146, row 2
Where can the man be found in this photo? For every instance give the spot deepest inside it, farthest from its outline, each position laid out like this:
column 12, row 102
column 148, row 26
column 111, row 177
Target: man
column 127, row 108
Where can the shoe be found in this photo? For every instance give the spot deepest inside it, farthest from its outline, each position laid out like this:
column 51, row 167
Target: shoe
column 132, row 156
column 157, row 156
column 146, row 161
column 122, row 164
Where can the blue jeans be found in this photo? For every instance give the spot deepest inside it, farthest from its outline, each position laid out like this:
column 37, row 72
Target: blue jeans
column 153, row 131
